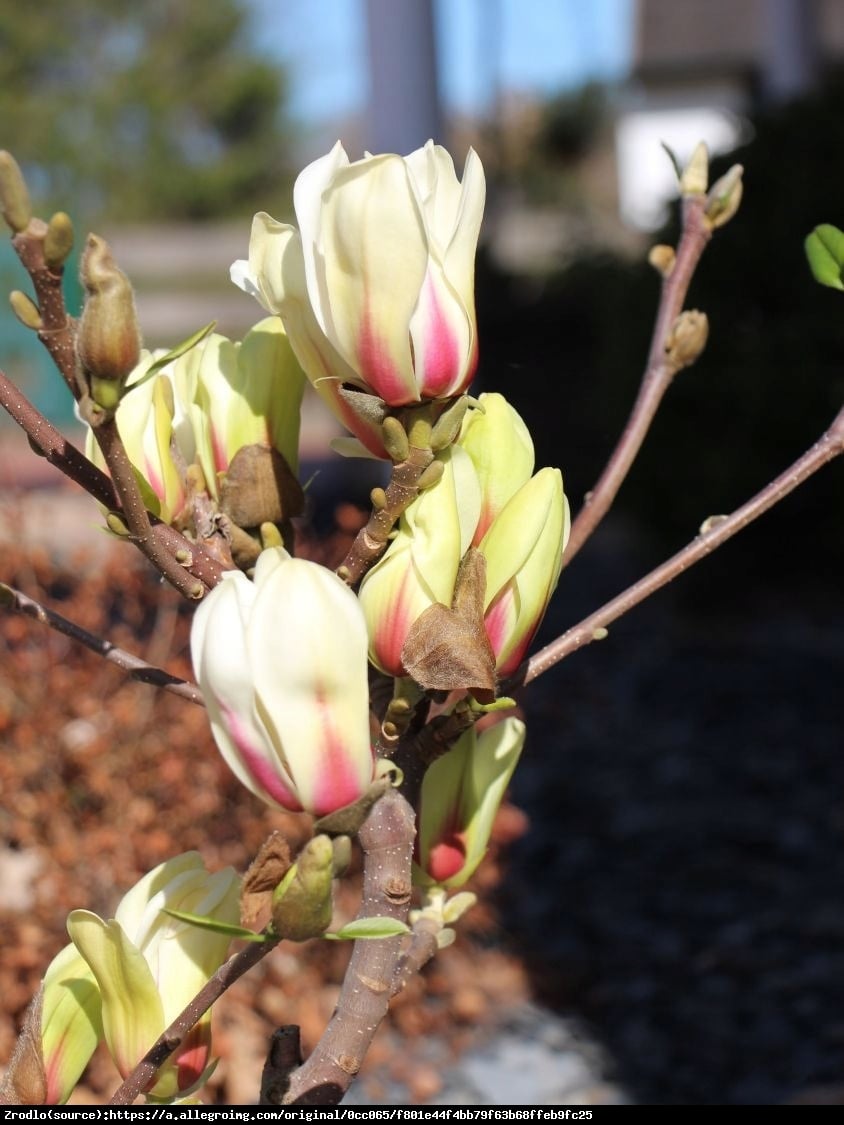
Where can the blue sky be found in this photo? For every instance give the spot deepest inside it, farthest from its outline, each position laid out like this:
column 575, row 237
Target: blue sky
column 543, row 46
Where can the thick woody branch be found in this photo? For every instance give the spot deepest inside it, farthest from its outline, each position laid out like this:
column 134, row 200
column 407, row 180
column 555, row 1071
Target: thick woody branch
column 661, row 368
column 136, row 668
column 387, row 842
column 830, row 445
column 143, row 1076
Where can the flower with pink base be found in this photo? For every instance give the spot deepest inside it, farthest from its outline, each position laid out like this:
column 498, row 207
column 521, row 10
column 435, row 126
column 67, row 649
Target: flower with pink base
column 282, row 665
column 376, row 286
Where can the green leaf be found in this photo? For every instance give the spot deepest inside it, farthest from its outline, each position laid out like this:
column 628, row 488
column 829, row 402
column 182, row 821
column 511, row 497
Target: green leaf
column 369, row 928
column 672, row 156
column 205, row 923
column 825, row 251
column 174, row 353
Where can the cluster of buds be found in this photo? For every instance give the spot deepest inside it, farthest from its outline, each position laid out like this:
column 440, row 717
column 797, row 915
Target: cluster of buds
column 123, row 981
column 203, row 409
column 486, row 500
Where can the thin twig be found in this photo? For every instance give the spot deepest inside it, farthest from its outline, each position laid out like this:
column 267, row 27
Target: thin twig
column 61, row 453
column 136, row 668
column 659, row 373
column 58, row 330
column 830, row 445
column 143, row 1076
column 371, row 541
column 137, row 517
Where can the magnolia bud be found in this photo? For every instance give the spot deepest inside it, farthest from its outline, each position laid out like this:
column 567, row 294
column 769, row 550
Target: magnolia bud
column 687, row 339
column 724, row 197
column 14, row 196
column 109, row 341
column 695, row 175
column 302, row 904
column 58, row 241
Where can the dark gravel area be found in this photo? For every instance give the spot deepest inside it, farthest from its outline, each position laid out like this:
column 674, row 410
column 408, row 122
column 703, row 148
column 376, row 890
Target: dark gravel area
column 680, row 888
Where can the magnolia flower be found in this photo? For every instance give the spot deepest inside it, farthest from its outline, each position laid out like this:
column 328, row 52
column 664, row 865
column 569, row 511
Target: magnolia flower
column 127, row 979
column 71, row 1023
column 208, row 403
column 501, row 448
column 420, row 566
column 461, row 792
column 376, row 287
column 523, row 549
column 281, row 662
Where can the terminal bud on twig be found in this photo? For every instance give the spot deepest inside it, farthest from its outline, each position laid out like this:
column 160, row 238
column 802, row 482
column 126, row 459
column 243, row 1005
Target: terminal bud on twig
column 14, row 196
column 695, row 176
column 109, row 341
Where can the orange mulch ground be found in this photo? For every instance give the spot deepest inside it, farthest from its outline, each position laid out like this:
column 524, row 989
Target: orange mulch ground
column 101, row 779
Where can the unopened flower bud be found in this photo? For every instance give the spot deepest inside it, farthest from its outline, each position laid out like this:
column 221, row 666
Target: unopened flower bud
column 302, row 901
column 695, row 175
column 460, row 796
column 687, row 339
column 724, row 197
column 662, row 258
column 25, row 310
column 109, row 341
column 14, row 196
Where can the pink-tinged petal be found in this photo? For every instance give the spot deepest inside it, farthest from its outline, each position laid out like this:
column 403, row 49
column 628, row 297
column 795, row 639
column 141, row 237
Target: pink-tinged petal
column 501, row 617
column 336, row 780
column 391, row 600
column 378, row 368
column 439, row 345
column 446, row 858
column 306, row 645
column 193, row 1055
column 261, row 768
column 374, row 259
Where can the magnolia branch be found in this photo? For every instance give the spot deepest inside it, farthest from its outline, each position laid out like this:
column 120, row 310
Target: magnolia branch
column 830, row 445
column 386, row 839
column 663, row 364
column 58, row 451
column 137, row 517
column 143, row 1076
column 57, row 331
column 136, row 668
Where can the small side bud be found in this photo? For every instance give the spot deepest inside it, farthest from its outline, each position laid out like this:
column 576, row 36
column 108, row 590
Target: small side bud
column 109, row 341
column 25, row 310
column 447, row 426
column 58, row 241
column 695, row 177
column 395, row 439
column 724, row 197
column 687, row 339
column 662, row 258
column 302, row 905
column 117, row 525
column 431, row 475
column 378, row 499
column 14, row 196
